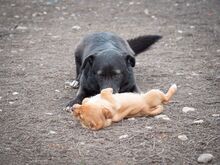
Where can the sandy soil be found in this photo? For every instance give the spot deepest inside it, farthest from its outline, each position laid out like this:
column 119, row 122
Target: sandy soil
column 37, row 41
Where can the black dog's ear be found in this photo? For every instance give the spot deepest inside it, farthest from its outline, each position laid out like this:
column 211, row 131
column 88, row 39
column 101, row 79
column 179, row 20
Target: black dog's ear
column 142, row 43
column 89, row 60
column 130, row 60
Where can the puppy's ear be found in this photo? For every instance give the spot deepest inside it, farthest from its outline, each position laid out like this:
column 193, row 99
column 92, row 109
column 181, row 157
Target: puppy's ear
column 107, row 114
column 89, row 60
column 130, row 60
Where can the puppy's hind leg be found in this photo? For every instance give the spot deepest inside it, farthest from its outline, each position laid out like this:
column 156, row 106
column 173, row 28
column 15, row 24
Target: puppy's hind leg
column 154, row 111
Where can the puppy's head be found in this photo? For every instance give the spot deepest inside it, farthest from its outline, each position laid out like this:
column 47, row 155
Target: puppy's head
column 110, row 69
column 92, row 116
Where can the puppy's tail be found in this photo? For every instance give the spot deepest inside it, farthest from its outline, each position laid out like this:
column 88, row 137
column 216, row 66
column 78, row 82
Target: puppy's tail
column 142, row 43
column 172, row 90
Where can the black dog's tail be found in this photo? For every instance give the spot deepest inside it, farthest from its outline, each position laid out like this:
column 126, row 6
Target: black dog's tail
column 142, row 43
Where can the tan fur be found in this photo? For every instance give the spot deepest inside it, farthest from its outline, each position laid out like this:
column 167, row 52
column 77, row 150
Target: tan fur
column 100, row 112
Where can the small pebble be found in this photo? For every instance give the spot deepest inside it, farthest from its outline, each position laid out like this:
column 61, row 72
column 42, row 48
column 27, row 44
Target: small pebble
column 180, row 31
column 164, row 117
column 205, row 158
column 146, row 11
column 192, row 27
column 131, row 3
column 183, row 137
column 22, row 28
column 76, row 27
column 123, row 136
column 11, row 102
column 218, row 50
column 52, row 132
column 0, row 97
column 82, row 143
column 198, row 121
column 215, row 115
column 149, row 127
column 15, row 93
column 0, row 110
column 57, row 90
column 49, row 113
column 131, row 118
column 188, row 109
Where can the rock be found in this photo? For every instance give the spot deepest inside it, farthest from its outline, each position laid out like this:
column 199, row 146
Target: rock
column 123, row 136
column 198, row 121
column 52, row 132
column 146, row 11
column 149, row 127
column 15, row 93
column 22, row 28
column 131, row 3
column 48, row 113
column 76, row 27
column 0, row 110
column 164, row 117
column 57, row 91
column 188, row 109
column 215, row 115
column 180, row 31
column 205, row 158
column 183, row 137
column 11, row 102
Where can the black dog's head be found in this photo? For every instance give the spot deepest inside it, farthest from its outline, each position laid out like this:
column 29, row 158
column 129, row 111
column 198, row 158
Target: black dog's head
column 109, row 69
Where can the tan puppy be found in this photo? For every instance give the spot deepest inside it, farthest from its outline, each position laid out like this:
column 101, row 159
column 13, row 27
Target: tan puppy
column 101, row 110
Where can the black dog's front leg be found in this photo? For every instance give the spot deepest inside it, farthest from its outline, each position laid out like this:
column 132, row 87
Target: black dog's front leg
column 81, row 94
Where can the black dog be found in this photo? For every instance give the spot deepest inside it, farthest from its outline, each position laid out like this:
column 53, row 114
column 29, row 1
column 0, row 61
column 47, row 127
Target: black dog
column 106, row 60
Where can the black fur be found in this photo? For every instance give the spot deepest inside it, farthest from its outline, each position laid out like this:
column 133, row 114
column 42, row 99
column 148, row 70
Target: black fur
column 142, row 43
column 106, row 60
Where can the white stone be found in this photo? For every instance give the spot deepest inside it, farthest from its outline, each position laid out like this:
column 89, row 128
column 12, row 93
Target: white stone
column 218, row 50
column 198, row 121
column 164, row 117
column 188, row 109
column 0, row 110
column 205, row 158
column 131, row 3
column 52, row 132
column 183, row 137
column 149, row 127
column 48, row 113
column 123, row 136
column 180, row 31
column 76, row 27
column 215, row 115
column 57, row 90
column 146, row 11
column 22, row 28
column 11, row 102
column 192, row 27
column 15, row 93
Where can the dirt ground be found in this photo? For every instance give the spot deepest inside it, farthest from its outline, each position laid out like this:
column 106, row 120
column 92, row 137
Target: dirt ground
column 37, row 42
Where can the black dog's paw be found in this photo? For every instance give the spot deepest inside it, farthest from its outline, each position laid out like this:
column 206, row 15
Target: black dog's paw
column 75, row 84
column 69, row 106
column 68, row 109
column 72, row 84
